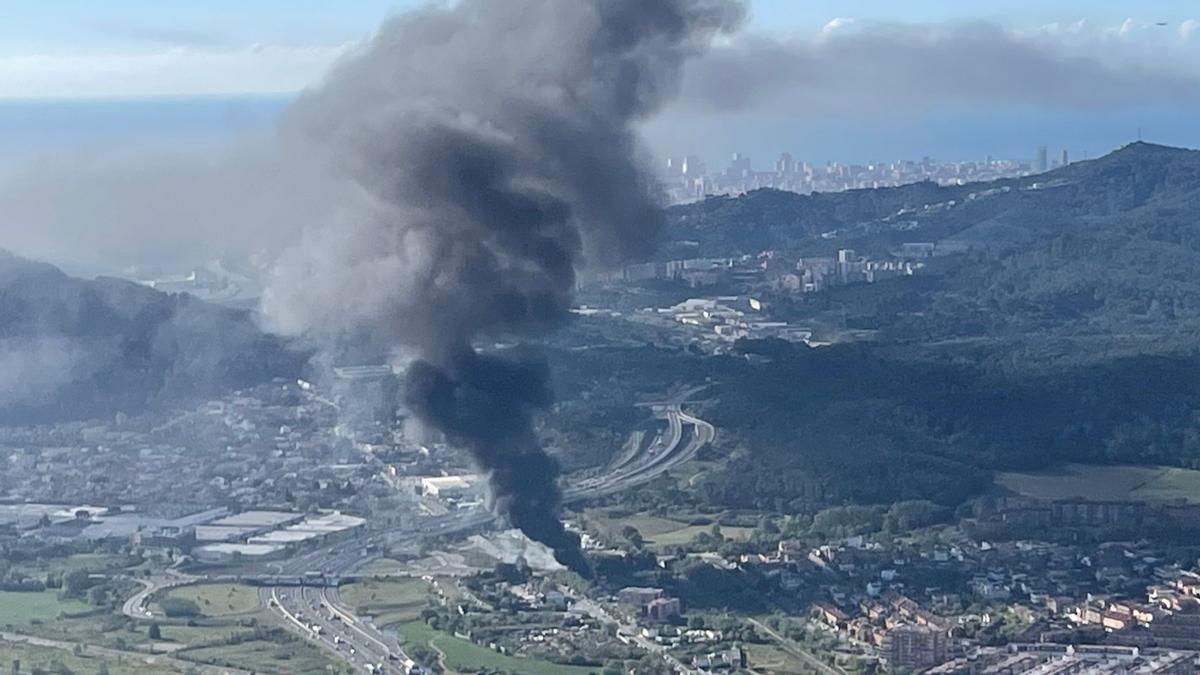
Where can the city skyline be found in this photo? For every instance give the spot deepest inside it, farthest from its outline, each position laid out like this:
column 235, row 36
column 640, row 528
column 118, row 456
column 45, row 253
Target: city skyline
column 690, row 177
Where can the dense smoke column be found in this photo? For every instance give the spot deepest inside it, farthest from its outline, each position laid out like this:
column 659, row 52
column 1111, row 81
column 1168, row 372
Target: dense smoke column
column 484, row 404
column 492, row 152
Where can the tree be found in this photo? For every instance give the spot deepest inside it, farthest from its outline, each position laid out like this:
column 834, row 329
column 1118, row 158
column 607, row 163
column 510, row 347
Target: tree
column 155, row 632
column 633, row 536
column 179, row 607
column 76, row 583
column 97, row 595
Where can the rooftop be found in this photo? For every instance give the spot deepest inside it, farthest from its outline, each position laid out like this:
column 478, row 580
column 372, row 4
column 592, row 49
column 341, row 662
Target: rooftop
column 248, row 550
column 259, row 519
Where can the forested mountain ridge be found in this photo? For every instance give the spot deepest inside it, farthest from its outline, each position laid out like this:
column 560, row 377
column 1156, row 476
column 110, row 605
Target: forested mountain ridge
column 1140, row 180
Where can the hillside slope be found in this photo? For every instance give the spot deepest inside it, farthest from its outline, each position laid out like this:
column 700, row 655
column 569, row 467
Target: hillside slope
column 73, row 348
column 1105, row 248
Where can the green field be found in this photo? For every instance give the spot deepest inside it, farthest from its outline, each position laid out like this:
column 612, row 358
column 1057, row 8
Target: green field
column 390, row 602
column 196, row 635
column 21, row 608
column 217, row 600
column 769, row 658
column 44, row 658
column 1106, row 483
column 659, row 531
column 467, row 657
column 92, row 563
column 292, row 658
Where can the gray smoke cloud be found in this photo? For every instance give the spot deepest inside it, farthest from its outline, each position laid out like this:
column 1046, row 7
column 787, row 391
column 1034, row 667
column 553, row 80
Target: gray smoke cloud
column 494, row 148
column 101, row 209
column 34, row 370
column 885, row 68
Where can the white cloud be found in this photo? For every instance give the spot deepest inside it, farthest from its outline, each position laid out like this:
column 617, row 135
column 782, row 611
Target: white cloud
column 1056, row 29
column 170, row 72
column 895, row 67
column 1188, row 27
column 836, row 24
column 1123, row 30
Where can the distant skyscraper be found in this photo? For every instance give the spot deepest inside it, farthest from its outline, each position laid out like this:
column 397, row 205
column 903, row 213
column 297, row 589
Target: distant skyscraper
column 1043, row 159
column 1065, row 160
column 692, row 167
column 785, row 164
column 739, row 165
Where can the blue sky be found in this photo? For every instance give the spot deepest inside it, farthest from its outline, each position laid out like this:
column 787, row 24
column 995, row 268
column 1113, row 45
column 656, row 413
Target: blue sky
column 141, row 48
column 37, row 26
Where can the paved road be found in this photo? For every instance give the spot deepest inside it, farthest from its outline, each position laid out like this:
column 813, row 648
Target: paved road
column 135, row 606
column 318, row 615
column 658, row 458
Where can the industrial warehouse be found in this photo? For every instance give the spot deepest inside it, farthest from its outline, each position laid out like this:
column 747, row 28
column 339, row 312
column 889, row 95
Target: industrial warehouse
column 267, row 535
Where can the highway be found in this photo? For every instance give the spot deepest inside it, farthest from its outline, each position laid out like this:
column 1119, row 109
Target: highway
column 660, row 457
column 317, row 613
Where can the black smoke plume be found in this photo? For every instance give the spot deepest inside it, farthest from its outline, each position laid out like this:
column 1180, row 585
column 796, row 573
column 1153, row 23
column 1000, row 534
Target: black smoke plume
column 484, row 404
column 494, row 153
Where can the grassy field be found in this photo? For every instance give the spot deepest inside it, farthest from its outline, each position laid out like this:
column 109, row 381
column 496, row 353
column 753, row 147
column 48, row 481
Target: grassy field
column 659, row 531
column 92, row 563
column 196, row 635
column 769, row 658
column 21, row 608
column 1109, row 483
column 217, row 599
column 44, row 658
column 390, row 602
column 467, row 657
column 293, row 658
